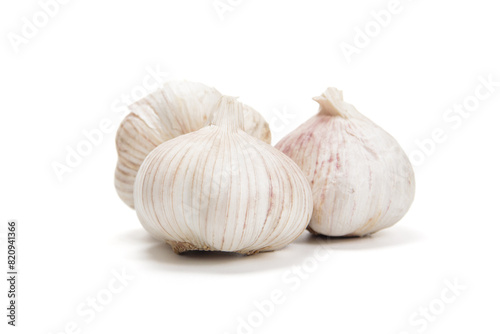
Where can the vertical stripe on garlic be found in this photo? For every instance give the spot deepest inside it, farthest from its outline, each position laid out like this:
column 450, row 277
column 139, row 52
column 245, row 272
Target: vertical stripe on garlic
column 221, row 189
column 361, row 179
column 179, row 107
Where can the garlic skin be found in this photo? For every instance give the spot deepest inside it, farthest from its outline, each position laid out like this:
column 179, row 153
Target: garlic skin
column 221, row 189
column 361, row 179
column 179, row 107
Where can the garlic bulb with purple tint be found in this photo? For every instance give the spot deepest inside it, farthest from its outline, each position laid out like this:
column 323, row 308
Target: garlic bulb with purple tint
column 361, row 179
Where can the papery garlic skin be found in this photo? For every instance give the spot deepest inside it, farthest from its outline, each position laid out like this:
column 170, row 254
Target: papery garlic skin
column 179, row 107
column 220, row 189
column 362, row 180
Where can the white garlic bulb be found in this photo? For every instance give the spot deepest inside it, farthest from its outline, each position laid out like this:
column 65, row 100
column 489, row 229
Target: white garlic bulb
column 179, row 107
column 361, row 179
column 221, row 189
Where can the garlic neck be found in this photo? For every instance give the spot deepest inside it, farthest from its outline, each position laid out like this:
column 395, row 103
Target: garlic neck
column 228, row 114
column 332, row 103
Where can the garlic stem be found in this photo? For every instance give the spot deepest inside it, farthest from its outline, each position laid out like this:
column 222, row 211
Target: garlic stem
column 332, row 103
column 228, row 114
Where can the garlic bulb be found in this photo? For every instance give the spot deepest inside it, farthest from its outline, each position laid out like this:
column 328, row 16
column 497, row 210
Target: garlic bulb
column 178, row 108
column 361, row 179
column 221, row 189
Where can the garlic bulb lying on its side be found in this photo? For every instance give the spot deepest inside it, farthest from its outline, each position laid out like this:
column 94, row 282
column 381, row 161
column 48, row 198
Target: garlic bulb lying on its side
column 179, row 107
column 221, row 189
column 361, row 179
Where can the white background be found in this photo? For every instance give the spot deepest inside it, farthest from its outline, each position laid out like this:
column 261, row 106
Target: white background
column 274, row 55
